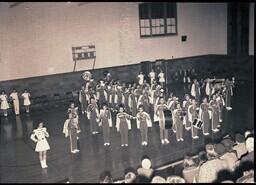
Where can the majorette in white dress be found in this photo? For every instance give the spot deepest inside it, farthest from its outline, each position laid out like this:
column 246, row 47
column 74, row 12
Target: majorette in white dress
column 161, row 77
column 4, row 102
column 26, row 98
column 39, row 136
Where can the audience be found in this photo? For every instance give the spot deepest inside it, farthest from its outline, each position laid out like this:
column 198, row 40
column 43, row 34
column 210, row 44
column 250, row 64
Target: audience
column 230, row 155
column 239, row 146
column 145, row 168
column 225, row 162
column 190, row 170
column 106, row 177
column 208, row 171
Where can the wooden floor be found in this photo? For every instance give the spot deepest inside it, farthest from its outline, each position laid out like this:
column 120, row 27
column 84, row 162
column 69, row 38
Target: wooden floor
column 19, row 162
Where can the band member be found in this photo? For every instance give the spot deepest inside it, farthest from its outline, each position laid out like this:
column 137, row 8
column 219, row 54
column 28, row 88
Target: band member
column 4, row 103
column 161, row 78
column 15, row 99
column 92, row 115
column 192, row 115
column 208, row 88
column 144, row 100
column 101, row 93
column 171, row 104
column 186, row 103
column 123, row 124
column 213, row 105
column 160, row 114
column 26, row 97
column 73, row 109
column 221, row 104
column 71, row 128
column 178, row 122
column 143, row 122
column 119, row 95
column 195, row 90
column 228, row 93
column 152, row 76
column 133, row 102
column 125, row 100
column 39, row 136
column 83, row 99
column 105, row 120
column 205, row 116
column 140, row 78
column 187, row 81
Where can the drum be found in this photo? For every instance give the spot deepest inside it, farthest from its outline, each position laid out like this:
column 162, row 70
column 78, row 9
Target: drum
column 168, row 119
column 197, row 123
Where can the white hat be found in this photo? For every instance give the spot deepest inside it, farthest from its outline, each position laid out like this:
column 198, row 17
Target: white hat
column 175, row 179
column 247, row 133
column 146, row 163
column 129, row 177
column 250, row 144
column 158, row 179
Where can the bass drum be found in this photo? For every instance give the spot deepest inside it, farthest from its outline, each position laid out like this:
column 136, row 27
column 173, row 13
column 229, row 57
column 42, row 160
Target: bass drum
column 168, row 119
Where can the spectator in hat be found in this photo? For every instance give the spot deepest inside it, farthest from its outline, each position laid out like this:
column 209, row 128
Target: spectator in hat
column 247, row 133
column 239, row 146
column 145, row 168
column 208, row 171
column 130, row 177
column 158, row 179
column 175, row 179
column 190, row 170
column 230, row 156
column 250, row 148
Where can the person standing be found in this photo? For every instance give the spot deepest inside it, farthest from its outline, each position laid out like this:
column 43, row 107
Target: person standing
column 123, row 125
column 39, row 136
column 161, row 78
column 195, row 90
column 215, row 113
column 4, row 103
column 144, row 100
column 26, row 96
column 192, row 116
column 92, row 115
column 186, row 103
column 133, row 102
column 140, row 78
column 71, row 128
column 160, row 114
column 205, row 116
column 178, row 121
column 101, row 92
column 15, row 99
column 143, row 122
column 152, row 76
column 221, row 104
column 83, row 99
column 105, row 121
column 228, row 93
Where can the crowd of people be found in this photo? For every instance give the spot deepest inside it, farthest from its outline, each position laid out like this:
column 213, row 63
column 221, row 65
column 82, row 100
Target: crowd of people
column 14, row 98
column 229, row 161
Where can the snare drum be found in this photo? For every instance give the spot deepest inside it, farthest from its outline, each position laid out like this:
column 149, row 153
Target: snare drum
column 197, row 123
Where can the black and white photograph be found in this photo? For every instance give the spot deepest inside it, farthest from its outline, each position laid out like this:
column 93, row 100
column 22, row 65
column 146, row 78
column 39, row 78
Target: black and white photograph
column 127, row 92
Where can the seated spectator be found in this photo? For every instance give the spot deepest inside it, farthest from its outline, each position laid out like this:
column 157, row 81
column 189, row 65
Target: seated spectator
column 230, row 155
column 239, row 146
column 191, row 169
column 145, row 169
column 247, row 133
column 158, row 179
column 202, row 157
column 208, row 171
column 106, row 177
column 175, row 179
column 248, row 177
column 142, row 179
column 130, row 177
column 250, row 148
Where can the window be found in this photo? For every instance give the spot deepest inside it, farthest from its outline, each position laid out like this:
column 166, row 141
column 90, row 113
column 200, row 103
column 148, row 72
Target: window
column 158, row 19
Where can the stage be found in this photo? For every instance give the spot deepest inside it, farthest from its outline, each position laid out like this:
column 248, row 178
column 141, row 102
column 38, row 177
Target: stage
column 19, row 162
